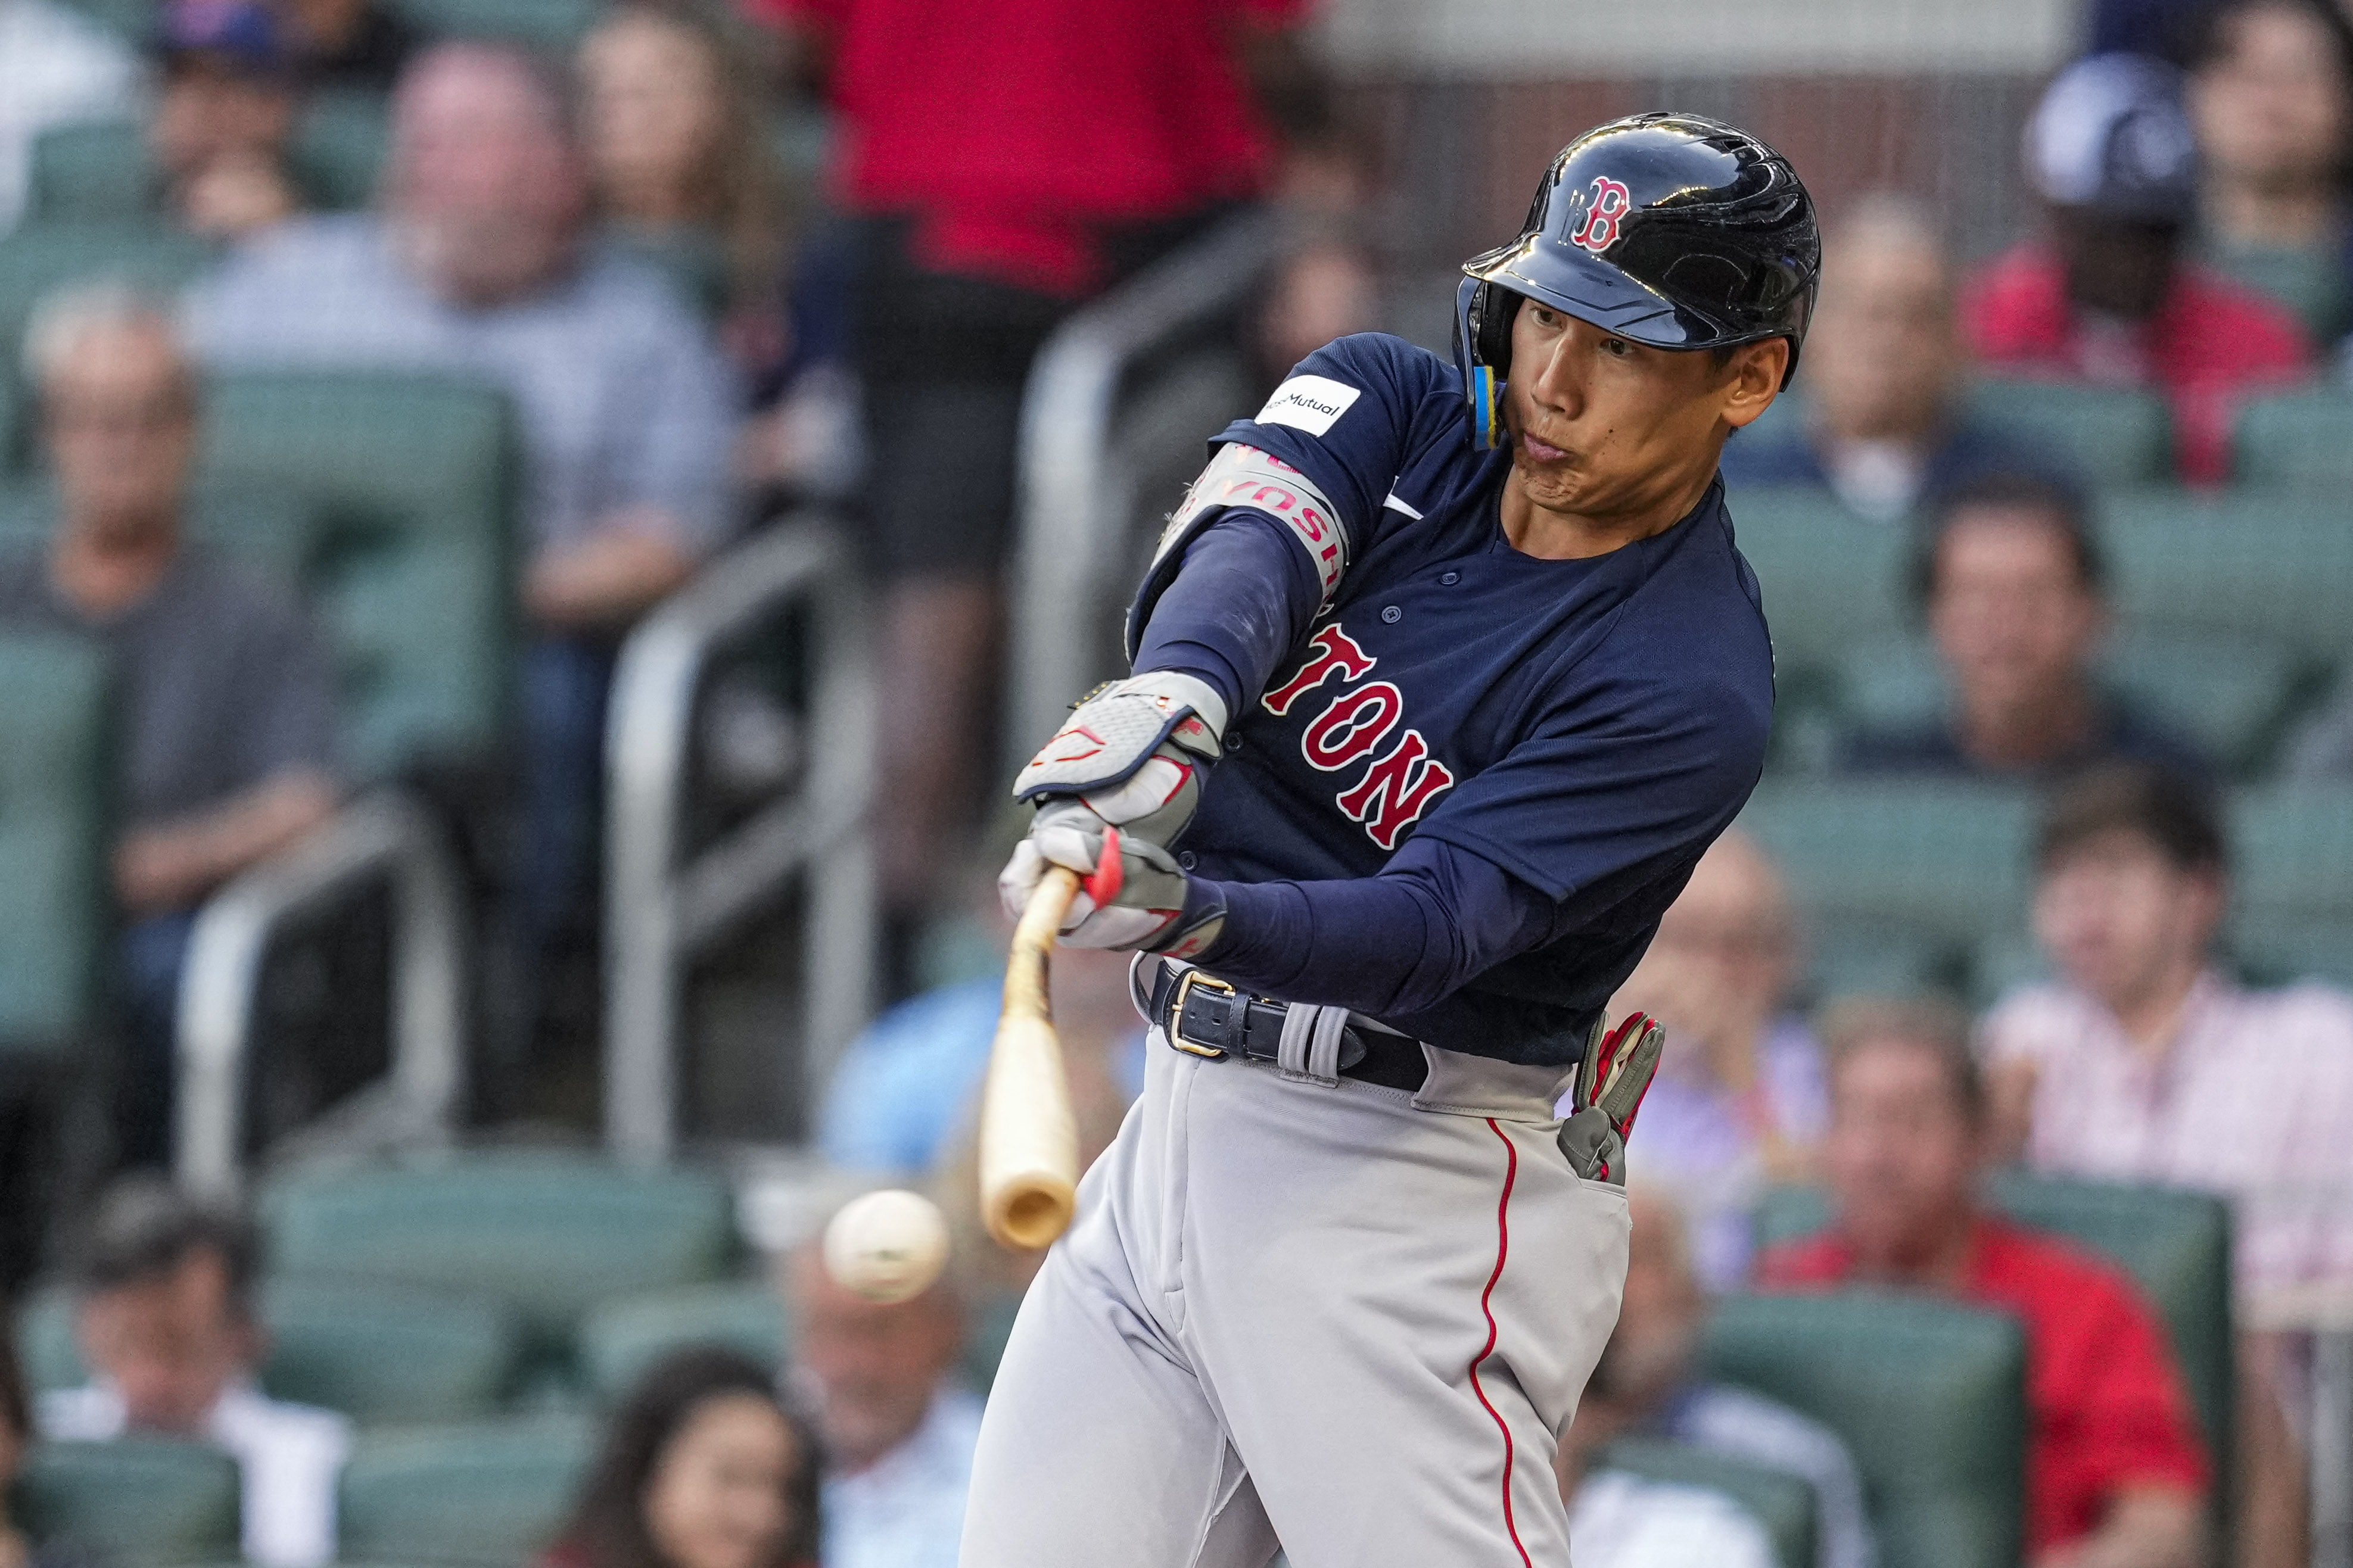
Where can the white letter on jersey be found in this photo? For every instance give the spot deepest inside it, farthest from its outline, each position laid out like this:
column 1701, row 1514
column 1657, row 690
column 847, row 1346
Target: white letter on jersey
column 1309, row 402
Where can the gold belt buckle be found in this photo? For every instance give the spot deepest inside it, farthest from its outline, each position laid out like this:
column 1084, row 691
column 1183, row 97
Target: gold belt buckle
column 1184, row 984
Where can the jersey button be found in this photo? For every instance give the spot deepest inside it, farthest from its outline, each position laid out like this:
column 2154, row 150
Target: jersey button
column 1392, row 614
column 1450, row 578
column 1185, row 858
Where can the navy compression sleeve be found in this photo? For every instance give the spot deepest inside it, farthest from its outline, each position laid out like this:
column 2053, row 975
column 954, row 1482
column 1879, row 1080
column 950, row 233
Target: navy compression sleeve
column 1436, row 918
column 1242, row 599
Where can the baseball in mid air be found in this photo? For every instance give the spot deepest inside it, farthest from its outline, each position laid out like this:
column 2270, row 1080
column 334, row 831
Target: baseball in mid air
column 887, row 1245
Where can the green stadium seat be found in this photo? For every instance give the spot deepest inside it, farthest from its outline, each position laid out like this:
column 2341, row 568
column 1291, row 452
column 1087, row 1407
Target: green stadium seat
column 2229, row 694
column 101, row 172
column 1930, row 1397
column 2283, row 953
column 380, row 1354
column 547, row 24
column 131, row 20
column 2267, row 565
column 383, row 1353
column 619, row 1339
column 1783, row 1503
column 492, row 1493
column 1941, row 861
column 550, row 1232
column 413, row 480
column 2175, row 1244
column 36, row 258
column 1829, row 577
column 2292, row 848
column 138, row 1500
column 15, row 427
column 2116, row 436
column 56, row 783
column 93, row 171
column 2296, row 439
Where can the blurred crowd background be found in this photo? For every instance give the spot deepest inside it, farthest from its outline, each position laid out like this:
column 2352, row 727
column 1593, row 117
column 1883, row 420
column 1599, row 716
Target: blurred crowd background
column 532, row 534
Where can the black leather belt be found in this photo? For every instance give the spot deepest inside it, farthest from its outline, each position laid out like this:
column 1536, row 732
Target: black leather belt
column 1206, row 1016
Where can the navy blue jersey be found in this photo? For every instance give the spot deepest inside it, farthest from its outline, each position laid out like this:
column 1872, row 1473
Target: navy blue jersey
column 1575, row 731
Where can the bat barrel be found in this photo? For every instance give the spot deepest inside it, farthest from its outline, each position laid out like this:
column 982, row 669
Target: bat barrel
column 1029, row 1136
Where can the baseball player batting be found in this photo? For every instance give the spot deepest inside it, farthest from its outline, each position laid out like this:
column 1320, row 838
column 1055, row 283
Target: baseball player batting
column 1445, row 675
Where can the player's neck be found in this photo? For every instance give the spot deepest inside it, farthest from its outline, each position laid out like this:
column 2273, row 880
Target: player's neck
column 1551, row 533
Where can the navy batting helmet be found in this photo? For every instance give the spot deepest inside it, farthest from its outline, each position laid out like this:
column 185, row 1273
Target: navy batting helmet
column 1668, row 229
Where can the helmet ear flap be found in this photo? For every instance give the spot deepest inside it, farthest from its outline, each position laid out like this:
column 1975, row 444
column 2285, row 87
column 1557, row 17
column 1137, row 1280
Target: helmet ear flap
column 1492, row 312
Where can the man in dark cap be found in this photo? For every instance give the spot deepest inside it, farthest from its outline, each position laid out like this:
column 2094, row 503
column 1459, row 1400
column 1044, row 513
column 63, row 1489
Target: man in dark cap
column 2104, row 296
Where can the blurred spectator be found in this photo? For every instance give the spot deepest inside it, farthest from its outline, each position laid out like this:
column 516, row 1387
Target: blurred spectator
column 2104, row 297
column 2011, row 575
column 998, row 198
column 679, row 159
column 1623, row 1520
column 18, row 1548
column 702, row 1467
column 2167, row 29
column 1738, row 1101
column 2270, row 95
column 899, row 1430
column 164, row 1316
column 2115, row 1473
column 1885, row 424
column 2142, row 1062
column 1646, row 1386
column 478, row 265
column 906, row 1089
column 225, row 118
column 359, row 45
column 56, row 68
column 227, row 753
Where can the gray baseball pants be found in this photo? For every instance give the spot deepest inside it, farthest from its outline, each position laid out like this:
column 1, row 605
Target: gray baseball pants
column 1350, row 1319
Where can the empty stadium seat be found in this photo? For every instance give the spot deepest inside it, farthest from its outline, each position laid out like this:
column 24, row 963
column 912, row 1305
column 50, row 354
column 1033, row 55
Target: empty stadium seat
column 2270, row 565
column 1829, row 579
column 384, row 1353
column 1930, row 1397
column 1946, row 860
column 2228, row 694
column 2116, row 436
column 1783, row 1503
column 138, row 1500
column 378, row 1353
column 620, row 1339
column 56, row 783
column 412, row 479
column 550, row 1232
column 2292, row 848
column 548, row 24
column 2175, row 1244
column 492, row 1493
column 2295, row 438
column 35, row 258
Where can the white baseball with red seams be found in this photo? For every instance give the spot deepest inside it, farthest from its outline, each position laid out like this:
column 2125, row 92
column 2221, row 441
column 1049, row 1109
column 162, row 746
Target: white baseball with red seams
column 1349, row 1317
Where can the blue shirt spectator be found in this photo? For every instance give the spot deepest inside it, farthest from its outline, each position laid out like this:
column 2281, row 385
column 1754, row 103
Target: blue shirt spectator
column 1879, row 418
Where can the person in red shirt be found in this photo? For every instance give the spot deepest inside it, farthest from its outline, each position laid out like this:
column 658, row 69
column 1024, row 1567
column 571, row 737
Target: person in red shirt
column 2116, row 1475
column 1007, row 160
column 2104, row 296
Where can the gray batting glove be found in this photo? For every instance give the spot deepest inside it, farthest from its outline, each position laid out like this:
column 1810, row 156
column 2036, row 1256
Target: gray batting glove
column 1132, row 753
column 1133, row 894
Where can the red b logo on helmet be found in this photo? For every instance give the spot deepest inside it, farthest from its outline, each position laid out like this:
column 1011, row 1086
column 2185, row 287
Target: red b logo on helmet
column 1612, row 201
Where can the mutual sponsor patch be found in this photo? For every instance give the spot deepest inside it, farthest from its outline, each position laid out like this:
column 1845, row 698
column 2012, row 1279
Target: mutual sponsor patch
column 1309, row 402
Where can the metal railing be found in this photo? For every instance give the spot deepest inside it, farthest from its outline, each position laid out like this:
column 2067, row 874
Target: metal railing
column 380, row 839
column 663, row 909
column 1074, row 501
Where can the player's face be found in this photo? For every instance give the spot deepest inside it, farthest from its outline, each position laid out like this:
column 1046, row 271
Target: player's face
column 1606, row 428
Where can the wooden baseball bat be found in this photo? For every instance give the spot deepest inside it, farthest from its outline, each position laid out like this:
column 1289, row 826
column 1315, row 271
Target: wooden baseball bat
column 1028, row 1138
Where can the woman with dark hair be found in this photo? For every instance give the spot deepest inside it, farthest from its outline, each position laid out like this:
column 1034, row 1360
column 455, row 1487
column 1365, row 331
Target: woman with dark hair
column 2271, row 97
column 18, row 1550
column 703, row 1466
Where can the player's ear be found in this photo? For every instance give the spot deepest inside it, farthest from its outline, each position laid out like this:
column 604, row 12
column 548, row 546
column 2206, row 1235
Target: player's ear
column 1753, row 380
